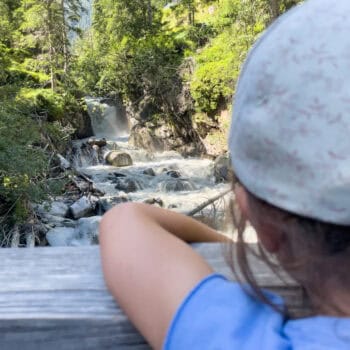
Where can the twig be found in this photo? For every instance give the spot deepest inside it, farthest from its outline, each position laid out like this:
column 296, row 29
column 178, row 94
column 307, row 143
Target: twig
column 208, row 202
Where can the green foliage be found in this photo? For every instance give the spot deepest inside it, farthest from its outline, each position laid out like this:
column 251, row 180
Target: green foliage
column 215, row 74
column 24, row 165
column 43, row 102
column 238, row 23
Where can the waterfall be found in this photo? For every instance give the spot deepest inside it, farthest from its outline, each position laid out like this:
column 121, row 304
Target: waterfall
column 108, row 117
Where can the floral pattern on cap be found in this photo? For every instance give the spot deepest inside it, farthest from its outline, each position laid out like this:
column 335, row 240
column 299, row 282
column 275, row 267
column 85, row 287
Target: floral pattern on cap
column 290, row 134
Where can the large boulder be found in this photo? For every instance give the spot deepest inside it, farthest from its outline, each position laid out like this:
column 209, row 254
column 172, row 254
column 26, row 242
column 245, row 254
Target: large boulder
column 82, row 124
column 82, row 207
column 159, row 137
column 119, row 159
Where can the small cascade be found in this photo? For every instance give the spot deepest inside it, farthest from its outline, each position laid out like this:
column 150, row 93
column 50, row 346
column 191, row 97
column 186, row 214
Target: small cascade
column 108, row 118
column 87, row 153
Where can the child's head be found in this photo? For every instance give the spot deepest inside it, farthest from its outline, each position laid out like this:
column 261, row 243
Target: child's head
column 290, row 142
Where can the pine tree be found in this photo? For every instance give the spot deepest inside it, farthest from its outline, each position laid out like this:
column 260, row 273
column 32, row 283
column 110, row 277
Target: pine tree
column 45, row 28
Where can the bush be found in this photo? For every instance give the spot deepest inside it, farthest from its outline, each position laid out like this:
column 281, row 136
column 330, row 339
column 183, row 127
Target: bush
column 215, row 74
column 24, row 162
column 43, row 102
column 218, row 64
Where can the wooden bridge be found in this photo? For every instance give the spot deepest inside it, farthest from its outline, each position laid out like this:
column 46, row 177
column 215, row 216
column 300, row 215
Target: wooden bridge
column 56, row 299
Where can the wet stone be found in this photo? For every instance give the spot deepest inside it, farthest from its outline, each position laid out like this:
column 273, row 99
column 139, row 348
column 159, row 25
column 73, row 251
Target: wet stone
column 82, row 207
column 127, row 185
column 173, row 173
column 149, row 172
column 88, row 229
column 222, row 169
column 157, row 201
column 116, row 174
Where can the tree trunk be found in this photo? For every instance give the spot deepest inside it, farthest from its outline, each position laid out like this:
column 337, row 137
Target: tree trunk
column 51, row 47
column 64, row 39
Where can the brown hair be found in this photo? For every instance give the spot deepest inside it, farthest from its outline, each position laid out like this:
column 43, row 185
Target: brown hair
column 315, row 252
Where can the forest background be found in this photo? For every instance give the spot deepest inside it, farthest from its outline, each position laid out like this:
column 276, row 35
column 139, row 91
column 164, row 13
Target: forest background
column 133, row 49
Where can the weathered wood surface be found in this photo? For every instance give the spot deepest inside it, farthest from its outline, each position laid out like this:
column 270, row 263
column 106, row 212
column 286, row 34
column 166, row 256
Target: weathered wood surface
column 55, row 298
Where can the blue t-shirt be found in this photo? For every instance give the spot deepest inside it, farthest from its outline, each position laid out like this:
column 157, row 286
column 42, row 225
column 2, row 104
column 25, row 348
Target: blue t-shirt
column 218, row 315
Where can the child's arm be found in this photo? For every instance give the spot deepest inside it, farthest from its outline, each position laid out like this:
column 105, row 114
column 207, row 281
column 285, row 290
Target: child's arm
column 147, row 265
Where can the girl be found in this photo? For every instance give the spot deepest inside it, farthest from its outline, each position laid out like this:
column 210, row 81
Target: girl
column 290, row 145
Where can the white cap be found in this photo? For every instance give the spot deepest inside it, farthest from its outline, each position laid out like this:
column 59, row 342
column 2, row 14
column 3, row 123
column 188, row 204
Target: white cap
column 290, row 135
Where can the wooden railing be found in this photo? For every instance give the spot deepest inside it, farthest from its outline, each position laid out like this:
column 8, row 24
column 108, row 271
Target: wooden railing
column 55, row 298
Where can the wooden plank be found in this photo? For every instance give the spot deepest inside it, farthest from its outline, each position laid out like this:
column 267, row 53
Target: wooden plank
column 55, row 298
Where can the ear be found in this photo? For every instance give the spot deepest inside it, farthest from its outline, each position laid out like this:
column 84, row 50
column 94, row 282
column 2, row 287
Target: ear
column 268, row 234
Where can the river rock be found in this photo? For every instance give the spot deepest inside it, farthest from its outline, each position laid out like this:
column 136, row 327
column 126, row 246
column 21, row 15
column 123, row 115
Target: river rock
column 127, row 184
column 82, row 207
column 106, row 204
column 173, row 173
column 222, row 169
column 57, row 208
column 119, row 159
column 153, row 201
column 61, row 236
column 88, row 229
column 149, row 172
column 177, row 185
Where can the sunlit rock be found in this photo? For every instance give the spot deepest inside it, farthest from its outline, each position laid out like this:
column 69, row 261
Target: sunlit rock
column 119, row 159
column 82, row 207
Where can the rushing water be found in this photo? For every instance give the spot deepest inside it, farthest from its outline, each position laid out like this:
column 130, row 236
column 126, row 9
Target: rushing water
column 167, row 178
